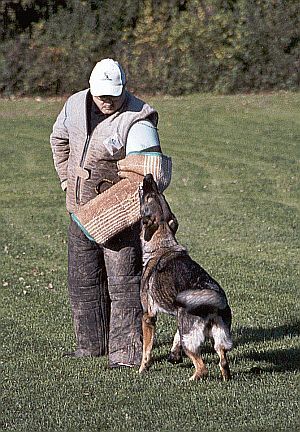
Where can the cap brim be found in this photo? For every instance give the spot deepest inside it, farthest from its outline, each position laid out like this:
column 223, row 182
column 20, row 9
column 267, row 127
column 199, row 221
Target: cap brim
column 106, row 89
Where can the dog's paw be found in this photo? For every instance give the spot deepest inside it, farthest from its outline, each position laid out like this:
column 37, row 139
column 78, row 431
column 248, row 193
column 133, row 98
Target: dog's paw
column 142, row 369
column 226, row 376
column 199, row 375
column 174, row 358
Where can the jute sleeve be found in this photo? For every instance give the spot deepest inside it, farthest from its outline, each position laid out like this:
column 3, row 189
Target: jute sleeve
column 157, row 164
column 118, row 207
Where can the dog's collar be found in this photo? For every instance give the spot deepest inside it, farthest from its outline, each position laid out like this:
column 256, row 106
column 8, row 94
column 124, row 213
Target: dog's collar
column 164, row 250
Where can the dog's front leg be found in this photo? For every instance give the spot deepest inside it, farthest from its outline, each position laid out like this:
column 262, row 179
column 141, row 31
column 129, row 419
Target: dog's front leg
column 148, row 325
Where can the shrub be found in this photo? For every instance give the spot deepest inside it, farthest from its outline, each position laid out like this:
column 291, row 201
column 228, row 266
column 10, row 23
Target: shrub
column 56, row 58
column 175, row 47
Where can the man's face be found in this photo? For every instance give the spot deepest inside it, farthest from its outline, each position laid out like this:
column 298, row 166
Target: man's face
column 109, row 104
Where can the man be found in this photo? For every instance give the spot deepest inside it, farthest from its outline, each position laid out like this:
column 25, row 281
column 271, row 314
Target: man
column 96, row 128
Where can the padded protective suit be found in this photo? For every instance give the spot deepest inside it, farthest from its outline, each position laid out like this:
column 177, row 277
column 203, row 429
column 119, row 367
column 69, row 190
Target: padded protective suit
column 95, row 295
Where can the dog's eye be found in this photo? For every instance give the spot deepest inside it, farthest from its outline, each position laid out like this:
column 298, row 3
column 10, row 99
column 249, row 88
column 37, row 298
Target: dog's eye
column 150, row 197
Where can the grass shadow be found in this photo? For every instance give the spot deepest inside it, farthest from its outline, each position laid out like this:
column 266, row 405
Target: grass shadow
column 279, row 360
column 243, row 335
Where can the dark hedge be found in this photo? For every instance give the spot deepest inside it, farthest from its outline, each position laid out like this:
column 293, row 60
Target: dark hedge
column 171, row 47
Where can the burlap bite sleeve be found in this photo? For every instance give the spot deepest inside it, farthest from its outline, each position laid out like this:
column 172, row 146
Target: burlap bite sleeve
column 157, row 164
column 110, row 212
column 119, row 207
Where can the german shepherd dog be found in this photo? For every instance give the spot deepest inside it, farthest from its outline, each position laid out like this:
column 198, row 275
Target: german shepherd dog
column 175, row 284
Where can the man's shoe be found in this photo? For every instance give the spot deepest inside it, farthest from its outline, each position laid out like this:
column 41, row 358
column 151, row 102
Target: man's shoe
column 120, row 365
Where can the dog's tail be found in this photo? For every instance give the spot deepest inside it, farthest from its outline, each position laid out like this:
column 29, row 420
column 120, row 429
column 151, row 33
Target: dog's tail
column 199, row 301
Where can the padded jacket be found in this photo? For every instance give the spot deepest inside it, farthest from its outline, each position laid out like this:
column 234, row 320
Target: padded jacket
column 84, row 159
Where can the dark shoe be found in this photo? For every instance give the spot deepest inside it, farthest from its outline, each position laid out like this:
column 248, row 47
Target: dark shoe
column 121, row 365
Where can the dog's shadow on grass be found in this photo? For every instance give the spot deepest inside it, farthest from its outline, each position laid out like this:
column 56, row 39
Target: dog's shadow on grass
column 244, row 335
column 278, row 360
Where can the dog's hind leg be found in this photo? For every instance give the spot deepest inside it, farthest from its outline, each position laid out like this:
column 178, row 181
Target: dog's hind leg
column 222, row 344
column 175, row 355
column 224, row 366
column 192, row 337
column 148, row 325
column 201, row 370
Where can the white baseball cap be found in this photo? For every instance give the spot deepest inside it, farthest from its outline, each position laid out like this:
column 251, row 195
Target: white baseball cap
column 107, row 78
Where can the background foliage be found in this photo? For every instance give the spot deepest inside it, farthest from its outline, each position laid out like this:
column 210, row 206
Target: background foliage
column 175, row 46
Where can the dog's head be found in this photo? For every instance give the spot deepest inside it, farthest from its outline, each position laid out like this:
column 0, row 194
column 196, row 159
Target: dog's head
column 154, row 209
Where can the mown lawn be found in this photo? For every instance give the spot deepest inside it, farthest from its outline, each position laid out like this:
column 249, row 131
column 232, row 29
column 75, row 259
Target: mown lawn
column 235, row 191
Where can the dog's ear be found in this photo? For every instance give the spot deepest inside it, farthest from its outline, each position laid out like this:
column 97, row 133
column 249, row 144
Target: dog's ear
column 173, row 224
column 149, row 185
column 169, row 216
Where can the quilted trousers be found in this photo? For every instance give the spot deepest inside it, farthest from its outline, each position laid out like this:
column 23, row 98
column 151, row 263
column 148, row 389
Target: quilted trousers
column 104, row 291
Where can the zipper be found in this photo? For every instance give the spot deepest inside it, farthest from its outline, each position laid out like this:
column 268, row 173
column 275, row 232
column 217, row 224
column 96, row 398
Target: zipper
column 88, row 103
column 83, row 156
column 88, row 107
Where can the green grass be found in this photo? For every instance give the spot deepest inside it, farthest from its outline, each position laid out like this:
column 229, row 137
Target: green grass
column 235, row 191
